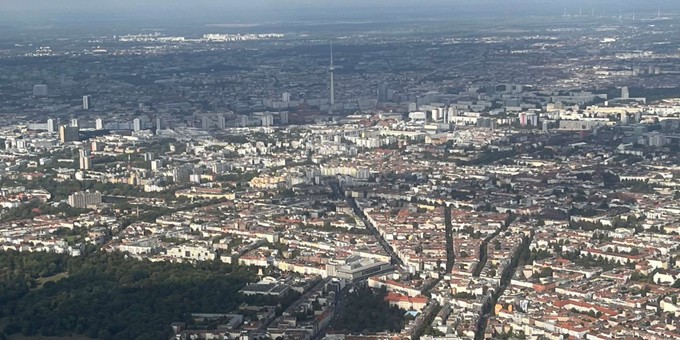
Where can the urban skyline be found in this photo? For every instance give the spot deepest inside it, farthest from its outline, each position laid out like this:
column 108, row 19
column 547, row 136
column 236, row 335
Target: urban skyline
column 340, row 170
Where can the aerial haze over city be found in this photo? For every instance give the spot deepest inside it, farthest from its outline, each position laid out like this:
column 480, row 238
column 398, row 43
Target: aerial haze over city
column 378, row 169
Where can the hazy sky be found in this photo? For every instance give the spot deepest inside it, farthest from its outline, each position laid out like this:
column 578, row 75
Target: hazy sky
column 48, row 5
column 281, row 10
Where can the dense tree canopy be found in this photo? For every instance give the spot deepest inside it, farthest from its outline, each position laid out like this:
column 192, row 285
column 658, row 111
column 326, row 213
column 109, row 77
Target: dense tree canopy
column 61, row 190
column 35, row 208
column 367, row 311
column 107, row 296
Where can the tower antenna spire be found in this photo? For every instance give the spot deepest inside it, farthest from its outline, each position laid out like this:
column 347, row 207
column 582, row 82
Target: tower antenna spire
column 332, row 71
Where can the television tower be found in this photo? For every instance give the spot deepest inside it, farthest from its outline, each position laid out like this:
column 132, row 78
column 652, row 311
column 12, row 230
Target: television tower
column 331, row 69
